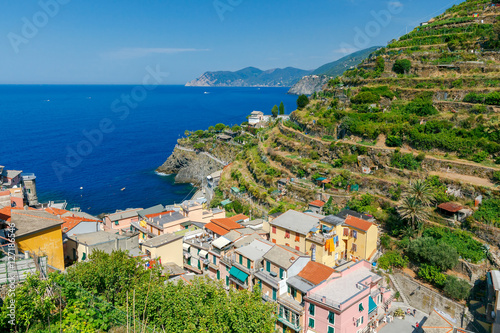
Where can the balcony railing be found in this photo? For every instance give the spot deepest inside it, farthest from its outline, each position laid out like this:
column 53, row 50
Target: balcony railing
column 295, row 327
column 325, row 300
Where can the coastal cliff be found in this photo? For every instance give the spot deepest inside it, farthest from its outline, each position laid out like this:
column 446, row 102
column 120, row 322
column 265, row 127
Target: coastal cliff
column 309, row 84
column 189, row 166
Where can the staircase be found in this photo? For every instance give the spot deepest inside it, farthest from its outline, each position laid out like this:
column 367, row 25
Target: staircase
column 396, row 285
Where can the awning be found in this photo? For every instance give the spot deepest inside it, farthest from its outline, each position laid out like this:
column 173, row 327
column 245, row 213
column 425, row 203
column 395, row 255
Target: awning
column 187, row 255
column 225, row 202
column 221, row 242
column 371, row 304
column 186, row 246
column 203, row 253
column 240, row 275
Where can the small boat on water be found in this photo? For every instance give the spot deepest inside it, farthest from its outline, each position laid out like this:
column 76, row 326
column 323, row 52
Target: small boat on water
column 122, row 189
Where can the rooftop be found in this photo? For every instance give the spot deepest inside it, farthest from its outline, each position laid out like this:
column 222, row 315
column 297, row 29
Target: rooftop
column 161, row 240
column 151, row 210
column 333, row 220
column 256, row 249
column 123, row 214
column 11, row 173
column 451, row 207
column 317, row 203
column 315, row 272
column 31, row 221
column 343, row 288
column 93, row 238
column 163, row 219
column 283, row 256
column 300, row 283
column 295, row 221
column 357, row 223
column 343, row 215
column 495, row 279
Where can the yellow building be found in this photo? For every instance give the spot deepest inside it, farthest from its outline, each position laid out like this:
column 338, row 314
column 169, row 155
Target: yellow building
column 167, row 247
column 39, row 233
column 291, row 229
column 342, row 237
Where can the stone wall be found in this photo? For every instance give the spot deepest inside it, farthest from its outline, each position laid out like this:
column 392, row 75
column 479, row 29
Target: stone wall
column 426, row 299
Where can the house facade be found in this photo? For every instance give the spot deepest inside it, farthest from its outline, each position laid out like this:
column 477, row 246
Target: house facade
column 291, row 229
column 346, row 302
column 121, row 219
column 167, row 248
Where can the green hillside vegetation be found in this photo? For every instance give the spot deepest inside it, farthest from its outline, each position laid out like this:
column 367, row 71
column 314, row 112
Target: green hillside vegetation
column 112, row 291
column 338, row 67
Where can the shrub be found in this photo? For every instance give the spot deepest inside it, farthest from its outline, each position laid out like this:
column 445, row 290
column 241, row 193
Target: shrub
column 401, row 66
column 421, row 107
column 302, row 101
column 493, row 98
column 404, row 161
column 365, row 97
column 432, row 274
column 456, row 288
column 392, row 259
column 489, row 212
column 393, row 141
column 385, row 241
column 479, row 157
column 427, row 250
column 314, row 155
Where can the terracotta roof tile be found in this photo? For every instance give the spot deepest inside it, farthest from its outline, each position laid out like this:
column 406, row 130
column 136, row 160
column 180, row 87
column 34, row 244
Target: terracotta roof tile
column 451, row 207
column 5, row 214
column 357, row 223
column 315, row 272
column 158, row 214
column 317, row 203
column 56, row 211
column 226, row 223
column 216, row 229
column 238, row 217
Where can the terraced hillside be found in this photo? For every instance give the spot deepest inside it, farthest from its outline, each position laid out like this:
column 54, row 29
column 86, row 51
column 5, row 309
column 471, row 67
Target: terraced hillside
column 427, row 107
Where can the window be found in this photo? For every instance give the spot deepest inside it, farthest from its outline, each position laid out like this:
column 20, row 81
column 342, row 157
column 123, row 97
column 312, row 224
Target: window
column 282, row 273
column 311, row 309
column 274, row 230
column 354, row 234
column 297, row 237
column 336, row 256
column 274, row 294
column 227, row 268
column 361, row 308
column 249, row 263
column 311, row 323
column 268, row 266
column 287, row 233
column 354, row 247
column 297, row 248
column 189, row 261
column 293, row 292
column 331, row 329
column 274, row 241
column 214, row 259
column 117, row 222
column 331, row 317
column 218, row 275
column 346, row 231
column 286, row 244
column 359, row 321
column 74, row 254
column 227, row 280
column 199, row 264
column 241, row 259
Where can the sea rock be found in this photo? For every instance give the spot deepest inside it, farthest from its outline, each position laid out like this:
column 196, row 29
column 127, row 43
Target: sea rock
column 189, row 166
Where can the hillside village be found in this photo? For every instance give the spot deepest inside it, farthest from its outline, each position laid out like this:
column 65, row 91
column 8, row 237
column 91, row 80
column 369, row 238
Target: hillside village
column 373, row 207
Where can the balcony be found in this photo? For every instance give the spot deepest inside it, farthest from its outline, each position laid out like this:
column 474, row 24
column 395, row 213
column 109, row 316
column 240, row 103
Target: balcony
column 296, row 327
column 28, row 176
column 290, row 303
column 324, row 300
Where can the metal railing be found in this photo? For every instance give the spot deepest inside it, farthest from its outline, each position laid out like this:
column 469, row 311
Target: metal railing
column 325, row 300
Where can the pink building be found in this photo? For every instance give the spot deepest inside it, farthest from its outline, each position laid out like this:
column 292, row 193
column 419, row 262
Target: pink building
column 10, row 178
column 347, row 302
column 120, row 220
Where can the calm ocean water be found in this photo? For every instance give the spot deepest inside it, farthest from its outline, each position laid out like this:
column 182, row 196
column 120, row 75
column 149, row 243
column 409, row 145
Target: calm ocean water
column 75, row 137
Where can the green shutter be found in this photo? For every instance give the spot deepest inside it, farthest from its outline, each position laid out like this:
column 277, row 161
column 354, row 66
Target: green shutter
column 241, row 259
column 218, row 275
column 84, row 256
column 227, row 280
column 361, row 308
column 311, row 323
column 199, row 264
column 248, row 263
column 274, row 294
column 311, row 309
column 331, row 317
column 214, row 260
column 331, row 329
column 268, row 266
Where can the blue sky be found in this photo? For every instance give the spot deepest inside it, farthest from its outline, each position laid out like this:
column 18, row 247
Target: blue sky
column 113, row 41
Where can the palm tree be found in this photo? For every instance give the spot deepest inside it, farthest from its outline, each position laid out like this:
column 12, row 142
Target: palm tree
column 412, row 210
column 421, row 191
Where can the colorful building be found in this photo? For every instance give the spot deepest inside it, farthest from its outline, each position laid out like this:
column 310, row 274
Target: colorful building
column 121, row 219
column 220, row 227
column 39, row 233
column 166, row 248
column 347, row 302
column 291, row 229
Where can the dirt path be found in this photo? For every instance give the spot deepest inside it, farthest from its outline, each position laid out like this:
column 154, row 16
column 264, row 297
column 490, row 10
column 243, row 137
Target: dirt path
column 468, row 179
column 381, row 141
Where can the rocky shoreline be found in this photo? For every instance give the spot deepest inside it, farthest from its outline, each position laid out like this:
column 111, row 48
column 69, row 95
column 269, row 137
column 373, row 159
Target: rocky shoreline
column 188, row 166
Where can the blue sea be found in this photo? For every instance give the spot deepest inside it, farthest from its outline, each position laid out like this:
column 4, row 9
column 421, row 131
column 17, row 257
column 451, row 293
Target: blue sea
column 86, row 143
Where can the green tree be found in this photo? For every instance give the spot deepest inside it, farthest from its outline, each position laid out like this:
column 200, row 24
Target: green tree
column 411, row 210
column 431, row 274
column 456, row 288
column 402, row 66
column 422, row 191
column 379, row 64
column 282, row 108
column 392, row 259
column 275, row 111
column 427, row 250
column 236, row 128
column 302, row 101
column 220, row 127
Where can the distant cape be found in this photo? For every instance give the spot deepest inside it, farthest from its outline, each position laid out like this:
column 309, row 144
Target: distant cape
column 251, row 77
